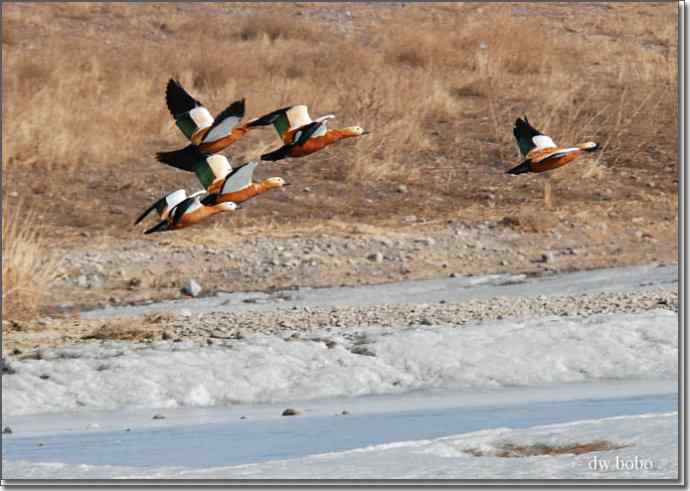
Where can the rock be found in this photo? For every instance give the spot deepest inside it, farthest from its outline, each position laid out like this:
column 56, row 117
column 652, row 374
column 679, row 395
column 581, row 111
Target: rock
column 362, row 350
column 427, row 241
column 166, row 335
column 291, row 412
column 548, row 257
column 44, row 376
column 158, row 416
column 82, row 281
column 307, row 189
column 330, row 344
column 243, row 417
column 134, row 283
column 6, row 430
column 344, row 412
column 409, row 219
column 402, row 189
column 426, row 322
column 376, row 257
column 191, row 288
column 453, row 275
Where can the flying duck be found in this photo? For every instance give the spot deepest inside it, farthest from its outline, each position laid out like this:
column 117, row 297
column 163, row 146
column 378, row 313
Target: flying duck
column 238, row 186
column 207, row 134
column 167, row 203
column 541, row 153
column 189, row 212
column 300, row 134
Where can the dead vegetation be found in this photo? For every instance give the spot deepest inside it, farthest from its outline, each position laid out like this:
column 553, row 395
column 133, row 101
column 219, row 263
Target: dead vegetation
column 511, row 450
column 28, row 268
column 438, row 85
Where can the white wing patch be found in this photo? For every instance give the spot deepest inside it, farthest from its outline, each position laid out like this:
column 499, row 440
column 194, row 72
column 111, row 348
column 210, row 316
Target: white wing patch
column 543, row 141
column 324, row 118
column 240, row 179
column 171, row 201
column 201, row 117
column 219, row 164
column 298, row 116
column 222, row 130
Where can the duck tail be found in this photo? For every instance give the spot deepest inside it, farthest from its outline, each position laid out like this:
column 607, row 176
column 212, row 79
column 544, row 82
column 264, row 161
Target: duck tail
column 161, row 227
column 186, row 158
column 520, row 169
column 275, row 155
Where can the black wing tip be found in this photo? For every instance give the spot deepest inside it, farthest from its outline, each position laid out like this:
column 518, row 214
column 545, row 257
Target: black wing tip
column 185, row 158
column 161, row 226
column 276, row 155
column 520, row 169
column 269, row 118
column 178, row 99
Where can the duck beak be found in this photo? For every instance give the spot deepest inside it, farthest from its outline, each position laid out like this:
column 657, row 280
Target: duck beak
column 366, row 132
column 287, row 184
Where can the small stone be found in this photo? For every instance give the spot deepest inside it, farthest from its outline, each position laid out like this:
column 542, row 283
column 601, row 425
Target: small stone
column 6, row 430
column 134, row 283
column 376, row 257
column 166, row 336
column 402, row 189
column 427, row 241
column 243, row 417
column 453, row 275
column 307, row 189
column 191, row 288
column 128, row 429
column 345, row 412
column 82, row 281
column 362, row 350
column 44, row 376
column 330, row 344
column 548, row 257
column 291, row 412
column 158, row 416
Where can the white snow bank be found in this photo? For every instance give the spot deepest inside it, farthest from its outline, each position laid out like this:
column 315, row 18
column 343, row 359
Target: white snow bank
column 271, row 369
column 650, row 453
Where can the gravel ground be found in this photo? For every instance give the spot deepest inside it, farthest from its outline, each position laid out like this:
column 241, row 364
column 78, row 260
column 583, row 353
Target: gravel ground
column 26, row 339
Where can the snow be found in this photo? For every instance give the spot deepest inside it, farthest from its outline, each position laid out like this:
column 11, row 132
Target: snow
column 263, row 369
column 649, row 441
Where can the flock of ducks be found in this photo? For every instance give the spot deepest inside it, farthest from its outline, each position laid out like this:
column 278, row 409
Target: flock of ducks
column 225, row 188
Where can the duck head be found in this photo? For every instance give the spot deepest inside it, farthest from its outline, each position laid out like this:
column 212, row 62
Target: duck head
column 273, row 182
column 354, row 131
column 590, row 146
column 226, row 206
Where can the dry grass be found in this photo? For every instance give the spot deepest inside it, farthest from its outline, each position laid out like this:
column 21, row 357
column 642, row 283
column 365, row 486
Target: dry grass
column 510, row 450
column 437, row 86
column 27, row 267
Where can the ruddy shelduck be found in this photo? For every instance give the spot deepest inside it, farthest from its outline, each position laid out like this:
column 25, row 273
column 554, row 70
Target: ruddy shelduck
column 167, row 203
column 239, row 186
column 300, row 134
column 541, row 153
column 207, row 134
column 188, row 212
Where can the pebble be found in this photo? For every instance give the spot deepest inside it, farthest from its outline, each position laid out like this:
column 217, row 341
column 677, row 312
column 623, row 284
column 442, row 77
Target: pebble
column 6, row 430
column 376, row 257
column 291, row 412
column 158, row 416
column 191, row 288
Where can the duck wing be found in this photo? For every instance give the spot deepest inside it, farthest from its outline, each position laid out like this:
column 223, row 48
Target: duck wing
column 225, row 122
column 284, row 120
column 239, row 178
column 190, row 114
column 528, row 138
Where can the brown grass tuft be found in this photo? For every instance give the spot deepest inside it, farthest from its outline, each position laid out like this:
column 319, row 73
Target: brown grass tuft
column 510, row 450
column 28, row 269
